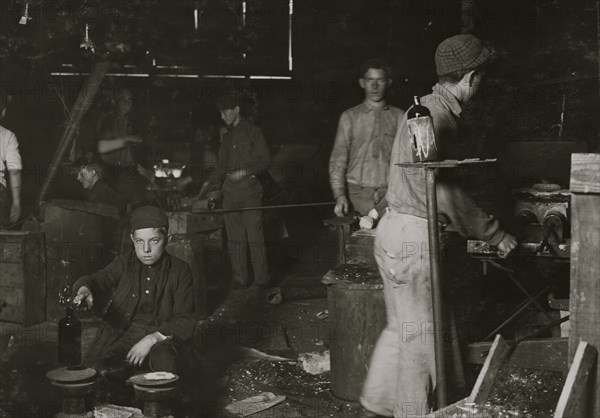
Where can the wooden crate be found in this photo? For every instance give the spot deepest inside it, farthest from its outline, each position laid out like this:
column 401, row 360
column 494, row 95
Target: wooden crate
column 575, row 396
column 22, row 277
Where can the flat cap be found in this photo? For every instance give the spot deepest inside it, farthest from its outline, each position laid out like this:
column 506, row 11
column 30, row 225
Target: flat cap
column 461, row 53
column 148, row 217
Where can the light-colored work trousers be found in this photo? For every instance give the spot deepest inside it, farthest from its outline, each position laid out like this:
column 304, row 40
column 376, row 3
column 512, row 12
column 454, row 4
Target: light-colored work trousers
column 401, row 379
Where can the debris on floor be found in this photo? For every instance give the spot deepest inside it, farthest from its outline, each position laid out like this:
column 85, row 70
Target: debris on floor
column 254, row 404
column 315, row 363
column 527, row 392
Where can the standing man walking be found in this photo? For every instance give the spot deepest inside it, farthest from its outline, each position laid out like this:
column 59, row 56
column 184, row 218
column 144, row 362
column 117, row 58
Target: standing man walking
column 243, row 155
column 360, row 159
column 401, row 379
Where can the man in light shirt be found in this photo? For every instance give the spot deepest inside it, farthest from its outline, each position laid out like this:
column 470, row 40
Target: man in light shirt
column 10, row 173
column 360, row 159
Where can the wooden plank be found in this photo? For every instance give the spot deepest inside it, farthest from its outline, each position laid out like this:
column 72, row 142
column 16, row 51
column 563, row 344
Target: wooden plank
column 585, row 173
column 576, row 391
column 541, row 354
column 585, row 280
column 485, row 380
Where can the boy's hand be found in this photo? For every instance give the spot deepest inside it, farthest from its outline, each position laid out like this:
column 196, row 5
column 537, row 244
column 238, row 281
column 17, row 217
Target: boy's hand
column 140, row 351
column 84, row 295
column 507, row 244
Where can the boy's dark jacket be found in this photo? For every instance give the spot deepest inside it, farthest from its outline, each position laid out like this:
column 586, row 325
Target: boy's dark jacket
column 174, row 296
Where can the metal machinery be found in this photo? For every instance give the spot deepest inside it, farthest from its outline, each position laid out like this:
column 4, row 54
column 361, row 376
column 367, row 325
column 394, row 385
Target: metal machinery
column 541, row 224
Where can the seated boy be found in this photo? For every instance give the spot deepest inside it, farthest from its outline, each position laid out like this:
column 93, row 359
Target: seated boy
column 151, row 312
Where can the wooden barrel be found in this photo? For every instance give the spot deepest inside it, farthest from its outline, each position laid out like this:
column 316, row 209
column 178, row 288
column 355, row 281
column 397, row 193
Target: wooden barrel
column 357, row 317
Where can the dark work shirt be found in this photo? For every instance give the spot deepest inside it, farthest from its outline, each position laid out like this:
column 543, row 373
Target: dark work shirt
column 173, row 301
column 146, row 286
column 243, row 147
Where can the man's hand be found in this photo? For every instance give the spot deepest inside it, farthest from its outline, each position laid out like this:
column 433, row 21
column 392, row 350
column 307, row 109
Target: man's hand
column 237, row 175
column 132, row 140
column 15, row 212
column 141, row 349
column 341, row 207
column 507, row 244
column 84, row 295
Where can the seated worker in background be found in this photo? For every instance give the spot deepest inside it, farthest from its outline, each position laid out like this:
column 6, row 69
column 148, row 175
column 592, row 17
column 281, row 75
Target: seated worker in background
column 243, row 155
column 10, row 173
column 360, row 158
column 90, row 177
column 151, row 313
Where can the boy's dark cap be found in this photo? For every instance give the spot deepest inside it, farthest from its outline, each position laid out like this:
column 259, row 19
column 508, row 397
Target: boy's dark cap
column 148, row 217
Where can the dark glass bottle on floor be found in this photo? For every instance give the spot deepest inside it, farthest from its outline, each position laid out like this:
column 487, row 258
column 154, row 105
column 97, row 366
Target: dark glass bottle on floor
column 69, row 339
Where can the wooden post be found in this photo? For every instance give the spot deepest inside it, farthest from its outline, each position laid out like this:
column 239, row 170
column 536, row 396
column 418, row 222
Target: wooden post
column 436, row 286
column 81, row 106
column 585, row 266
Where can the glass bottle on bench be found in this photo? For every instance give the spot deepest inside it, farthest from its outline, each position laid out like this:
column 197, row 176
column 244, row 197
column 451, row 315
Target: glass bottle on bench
column 420, row 127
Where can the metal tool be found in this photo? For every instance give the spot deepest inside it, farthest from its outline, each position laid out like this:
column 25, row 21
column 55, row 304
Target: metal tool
column 296, row 205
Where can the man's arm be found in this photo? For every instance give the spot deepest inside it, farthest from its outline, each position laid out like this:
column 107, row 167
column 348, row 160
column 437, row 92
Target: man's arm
column 468, row 218
column 103, row 280
column 108, row 145
column 14, row 179
column 338, row 162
